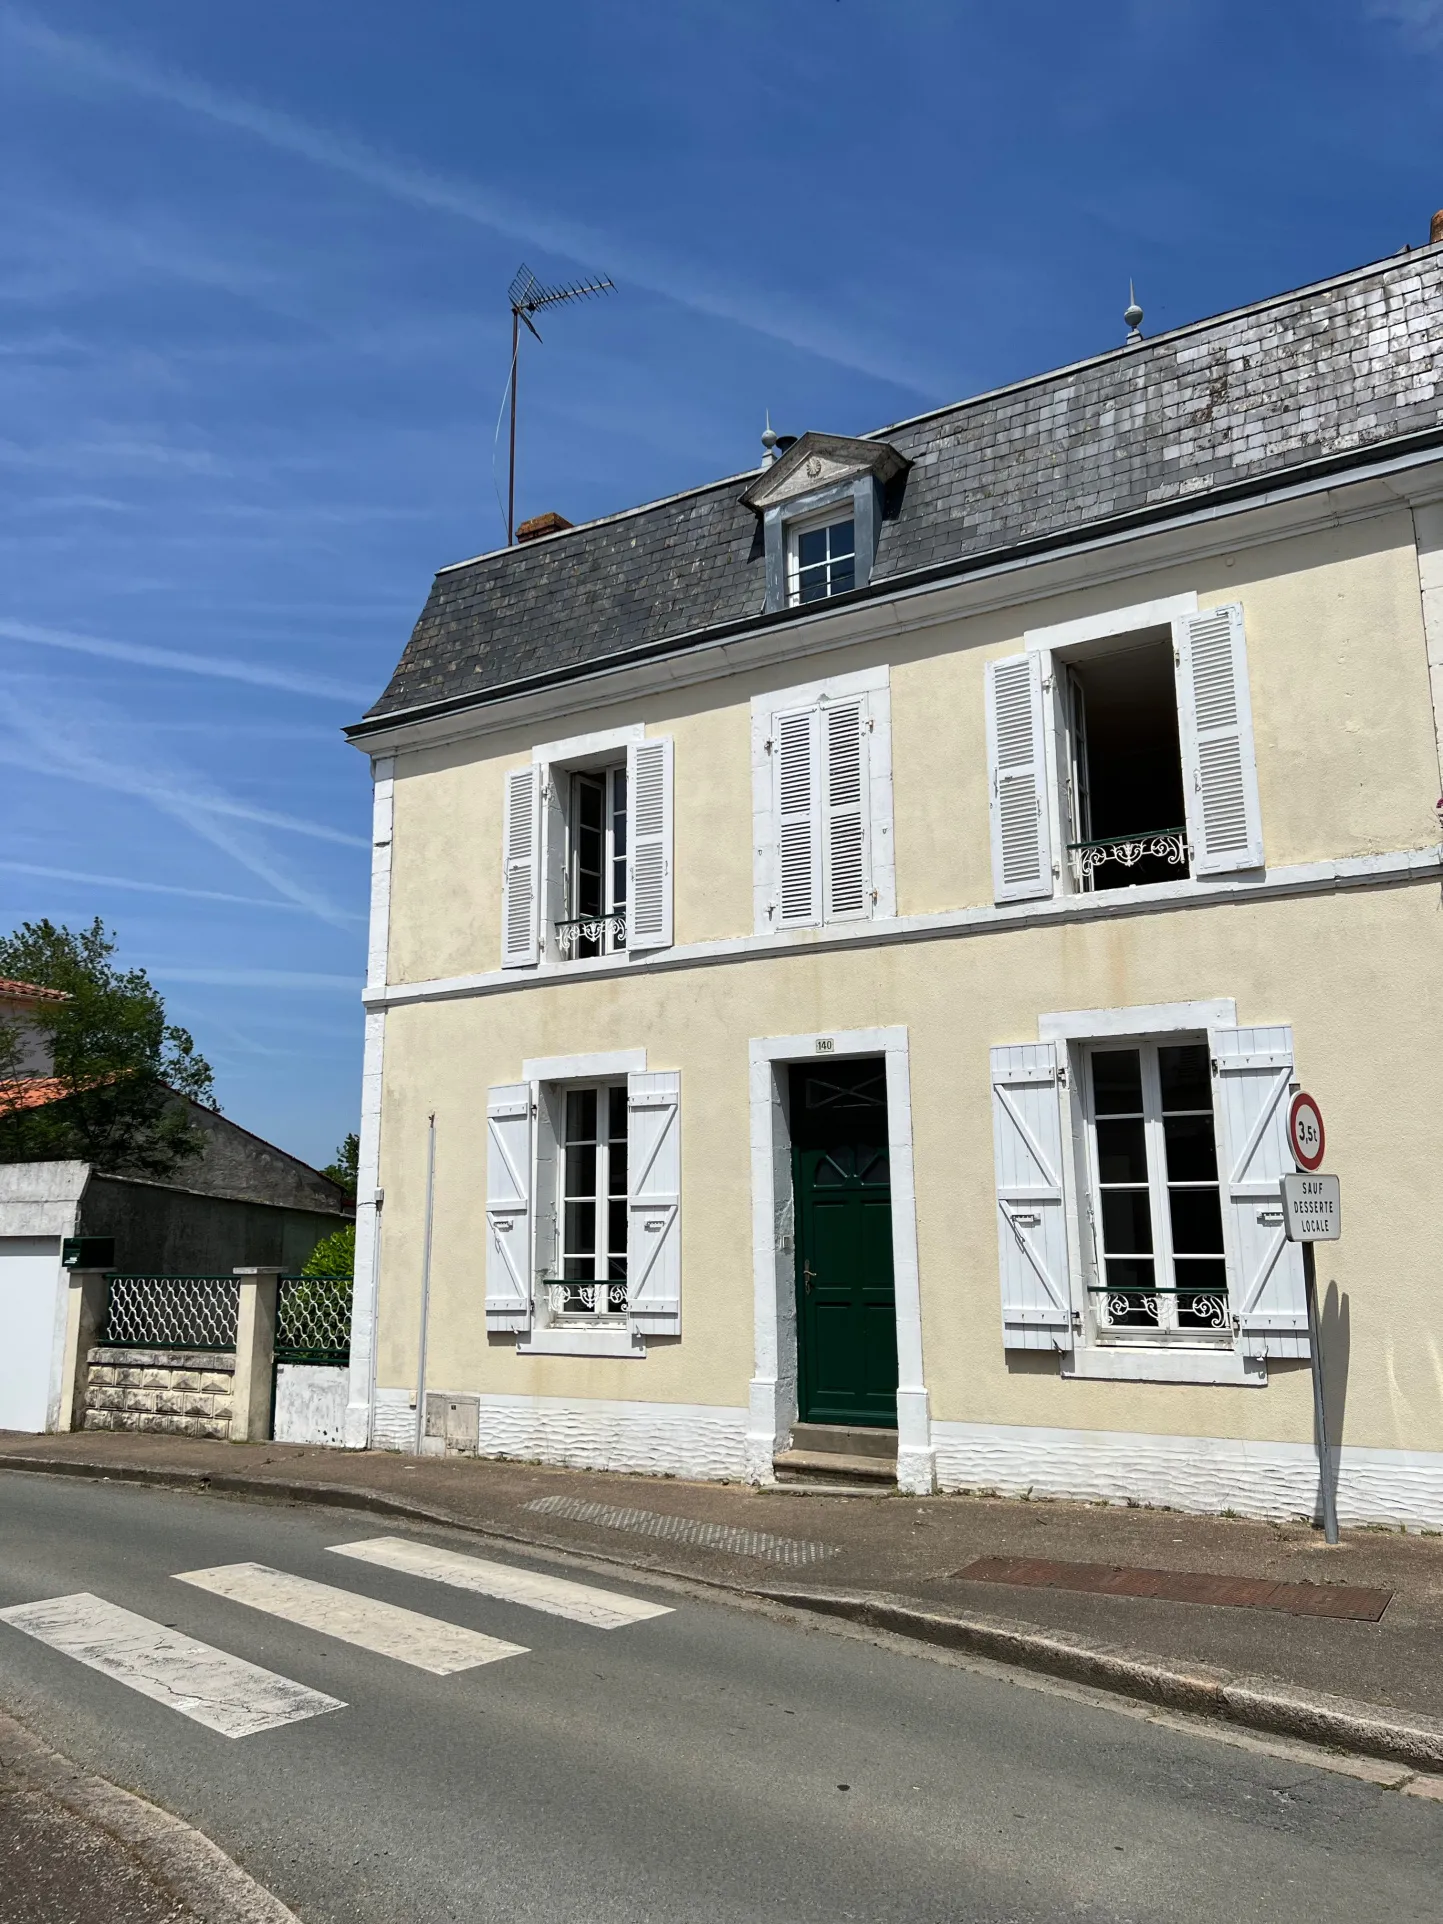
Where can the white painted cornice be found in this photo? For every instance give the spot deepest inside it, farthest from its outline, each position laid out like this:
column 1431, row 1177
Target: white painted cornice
column 1405, row 867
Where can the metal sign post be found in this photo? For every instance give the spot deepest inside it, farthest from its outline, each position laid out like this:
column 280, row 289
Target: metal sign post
column 1312, row 1213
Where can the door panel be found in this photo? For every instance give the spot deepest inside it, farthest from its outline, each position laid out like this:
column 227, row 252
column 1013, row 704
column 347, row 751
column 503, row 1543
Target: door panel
column 29, row 1281
column 846, row 1308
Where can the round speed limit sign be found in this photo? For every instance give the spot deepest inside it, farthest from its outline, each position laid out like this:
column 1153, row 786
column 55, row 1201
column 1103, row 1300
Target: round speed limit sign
column 1305, row 1131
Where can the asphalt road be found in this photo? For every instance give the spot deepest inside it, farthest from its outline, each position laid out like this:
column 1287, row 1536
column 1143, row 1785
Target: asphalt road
column 710, row 1764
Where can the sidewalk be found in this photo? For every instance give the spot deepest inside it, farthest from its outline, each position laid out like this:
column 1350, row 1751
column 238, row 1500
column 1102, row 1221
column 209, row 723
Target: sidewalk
column 891, row 1562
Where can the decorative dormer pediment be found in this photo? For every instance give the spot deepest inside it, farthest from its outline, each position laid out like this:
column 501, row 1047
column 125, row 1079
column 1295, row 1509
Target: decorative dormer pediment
column 821, row 461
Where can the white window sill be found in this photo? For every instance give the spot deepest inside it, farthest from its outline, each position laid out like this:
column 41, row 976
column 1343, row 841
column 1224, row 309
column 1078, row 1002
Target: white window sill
column 560, row 1341
column 1146, row 1365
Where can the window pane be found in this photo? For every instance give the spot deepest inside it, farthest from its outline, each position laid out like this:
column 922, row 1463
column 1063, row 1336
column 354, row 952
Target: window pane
column 1186, row 1076
column 581, row 1169
column 1117, row 1082
column 812, row 585
column 1130, row 1307
column 1197, row 1223
column 616, row 1230
column 812, row 547
column 1191, row 1149
column 843, row 538
column 1126, row 1222
column 1121, row 1152
column 616, row 1107
column 843, row 578
column 1208, row 1308
column 581, row 1115
column 580, row 1229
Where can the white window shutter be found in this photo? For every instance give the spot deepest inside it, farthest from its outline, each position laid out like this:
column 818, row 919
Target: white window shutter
column 1215, row 731
column 797, row 789
column 1253, row 1072
column 648, row 863
column 508, row 1206
column 845, row 867
column 1031, row 1222
column 653, row 1162
column 1021, row 840
column 519, row 889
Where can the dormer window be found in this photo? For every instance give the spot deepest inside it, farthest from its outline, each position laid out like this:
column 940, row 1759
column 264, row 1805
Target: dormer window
column 821, row 505
column 823, row 561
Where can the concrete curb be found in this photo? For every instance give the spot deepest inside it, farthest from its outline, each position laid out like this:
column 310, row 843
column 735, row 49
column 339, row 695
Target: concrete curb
column 1263, row 1704
column 1257, row 1703
column 183, row 1861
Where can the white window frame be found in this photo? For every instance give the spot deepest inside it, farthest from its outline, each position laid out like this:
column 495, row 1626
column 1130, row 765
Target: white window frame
column 873, row 687
column 549, row 1077
column 1136, row 1360
column 607, row 774
column 829, row 517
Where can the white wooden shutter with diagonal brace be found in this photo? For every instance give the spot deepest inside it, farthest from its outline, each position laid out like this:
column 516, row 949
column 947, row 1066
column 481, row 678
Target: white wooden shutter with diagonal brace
column 1031, row 1223
column 653, row 1163
column 1016, row 755
column 508, row 1206
column 1253, row 1074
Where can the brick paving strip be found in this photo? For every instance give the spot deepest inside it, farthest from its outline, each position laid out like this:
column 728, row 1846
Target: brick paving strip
column 1349, row 1600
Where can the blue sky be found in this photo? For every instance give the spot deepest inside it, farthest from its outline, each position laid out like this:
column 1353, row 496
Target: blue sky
column 253, row 338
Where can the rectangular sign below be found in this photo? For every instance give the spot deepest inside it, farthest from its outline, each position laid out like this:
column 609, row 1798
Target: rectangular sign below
column 1312, row 1209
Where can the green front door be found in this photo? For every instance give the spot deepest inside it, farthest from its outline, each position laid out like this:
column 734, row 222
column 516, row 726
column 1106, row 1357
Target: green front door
column 846, row 1307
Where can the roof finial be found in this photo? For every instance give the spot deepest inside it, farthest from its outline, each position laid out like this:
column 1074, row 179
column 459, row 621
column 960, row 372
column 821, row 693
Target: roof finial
column 769, row 442
column 1133, row 316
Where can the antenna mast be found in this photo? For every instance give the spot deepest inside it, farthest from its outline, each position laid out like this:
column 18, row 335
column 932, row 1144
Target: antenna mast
column 528, row 297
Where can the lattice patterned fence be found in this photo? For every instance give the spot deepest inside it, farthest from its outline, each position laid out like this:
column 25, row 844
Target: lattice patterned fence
column 172, row 1312
column 313, row 1320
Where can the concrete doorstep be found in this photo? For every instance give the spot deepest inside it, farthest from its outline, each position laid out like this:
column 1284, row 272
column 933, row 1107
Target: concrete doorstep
column 528, row 1507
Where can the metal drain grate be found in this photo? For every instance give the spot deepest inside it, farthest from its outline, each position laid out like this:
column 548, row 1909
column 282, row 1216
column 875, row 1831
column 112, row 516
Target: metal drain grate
column 686, row 1529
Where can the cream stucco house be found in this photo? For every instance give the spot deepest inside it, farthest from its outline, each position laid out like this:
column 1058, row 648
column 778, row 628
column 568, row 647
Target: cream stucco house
column 843, row 939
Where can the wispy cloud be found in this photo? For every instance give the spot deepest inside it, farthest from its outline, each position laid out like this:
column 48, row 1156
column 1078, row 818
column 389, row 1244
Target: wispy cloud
column 255, row 978
column 770, row 313
column 48, row 743
column 219, row 667
column 44, row 873
column 1420, row 20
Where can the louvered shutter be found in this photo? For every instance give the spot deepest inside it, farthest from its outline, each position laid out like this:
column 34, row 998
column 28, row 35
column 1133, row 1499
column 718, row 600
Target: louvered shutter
column 1031, row 1224
column 797, row 789
column 653, row 1162
column 508, row 1206
column 519, row 890
column 1215, row 731
column 846, row 882
column 1253, row 1071
column 648, row 879
column 1021, row 842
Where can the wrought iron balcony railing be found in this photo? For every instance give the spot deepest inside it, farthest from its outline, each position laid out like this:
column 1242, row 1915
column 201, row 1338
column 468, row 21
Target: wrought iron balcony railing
column 587, row 1299
column 1168, row 845
column 1206, row 1308
column 607, row 932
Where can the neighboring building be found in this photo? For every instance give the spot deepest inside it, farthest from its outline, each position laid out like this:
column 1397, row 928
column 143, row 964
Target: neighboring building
column 856, row 926
column 238, row 1201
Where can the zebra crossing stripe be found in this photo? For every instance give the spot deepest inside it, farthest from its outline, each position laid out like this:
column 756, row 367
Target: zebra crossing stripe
column 558, row 1596
column 224, row 1693
column 385, row 1628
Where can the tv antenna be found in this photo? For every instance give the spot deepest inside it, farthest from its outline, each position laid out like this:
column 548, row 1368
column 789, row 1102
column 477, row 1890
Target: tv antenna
column 528, row 297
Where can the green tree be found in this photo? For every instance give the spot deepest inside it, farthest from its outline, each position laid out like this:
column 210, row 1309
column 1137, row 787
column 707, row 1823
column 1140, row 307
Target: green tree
column 333, row 1255
column 120, row 1064
column 345, row 1170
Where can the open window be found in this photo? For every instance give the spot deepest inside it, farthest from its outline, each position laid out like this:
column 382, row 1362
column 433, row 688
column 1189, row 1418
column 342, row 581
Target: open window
column 1126, row 816
column 594, row 815
column 1122, row 755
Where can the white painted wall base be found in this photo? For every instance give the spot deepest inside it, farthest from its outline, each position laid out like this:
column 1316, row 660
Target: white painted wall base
column 1204, row 1474
column 700, row 1440
column 311, row 1403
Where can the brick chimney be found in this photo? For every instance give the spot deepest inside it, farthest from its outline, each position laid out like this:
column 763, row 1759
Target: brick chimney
column 541, row 524
column 1435, row 232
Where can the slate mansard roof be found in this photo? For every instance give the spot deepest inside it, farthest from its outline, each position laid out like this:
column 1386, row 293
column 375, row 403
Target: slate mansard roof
column 1320, row 379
